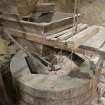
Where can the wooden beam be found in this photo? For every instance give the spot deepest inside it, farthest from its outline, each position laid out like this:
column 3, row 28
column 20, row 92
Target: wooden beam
column 39, row 39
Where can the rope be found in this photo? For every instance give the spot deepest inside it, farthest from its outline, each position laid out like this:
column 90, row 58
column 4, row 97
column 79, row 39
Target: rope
column 75, row 19
column 75, row 23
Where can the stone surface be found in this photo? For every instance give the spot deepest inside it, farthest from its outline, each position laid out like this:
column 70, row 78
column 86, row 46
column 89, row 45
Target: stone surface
column 42, row 89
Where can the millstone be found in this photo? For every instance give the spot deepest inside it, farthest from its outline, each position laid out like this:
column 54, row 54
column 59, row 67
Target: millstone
column 46, row 89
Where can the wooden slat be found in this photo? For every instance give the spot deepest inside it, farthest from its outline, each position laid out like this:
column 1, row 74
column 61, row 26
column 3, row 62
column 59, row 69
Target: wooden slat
column 69, row 34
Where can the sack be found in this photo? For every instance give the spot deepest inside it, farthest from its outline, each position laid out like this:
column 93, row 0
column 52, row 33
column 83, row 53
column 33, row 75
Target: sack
column 26, row 7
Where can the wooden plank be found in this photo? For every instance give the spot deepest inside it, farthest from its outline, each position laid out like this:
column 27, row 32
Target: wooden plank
column 96, row 42
column 67, row 31
column 58, row 34
column 70, row 33
column 83, row 36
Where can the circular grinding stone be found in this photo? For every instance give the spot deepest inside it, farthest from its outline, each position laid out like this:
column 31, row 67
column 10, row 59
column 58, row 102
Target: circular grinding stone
column 41, row 89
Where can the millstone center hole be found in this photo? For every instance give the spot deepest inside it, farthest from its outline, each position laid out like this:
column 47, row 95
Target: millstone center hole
column 64, row 63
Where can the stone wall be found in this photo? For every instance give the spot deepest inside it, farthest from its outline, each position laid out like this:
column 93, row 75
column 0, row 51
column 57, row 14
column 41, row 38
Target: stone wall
column 92, row 11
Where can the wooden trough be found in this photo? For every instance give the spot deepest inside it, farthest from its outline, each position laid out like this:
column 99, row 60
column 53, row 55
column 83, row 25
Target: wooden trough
column 44, row 24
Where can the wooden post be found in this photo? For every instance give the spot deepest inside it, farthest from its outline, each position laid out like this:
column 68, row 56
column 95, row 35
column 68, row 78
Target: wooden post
column 4, row 98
